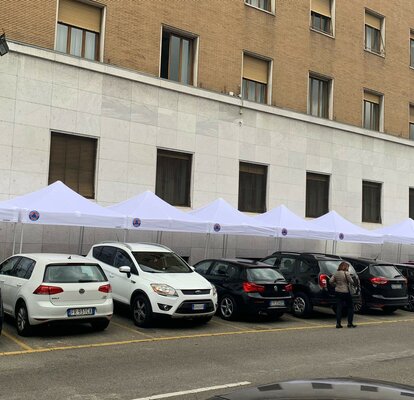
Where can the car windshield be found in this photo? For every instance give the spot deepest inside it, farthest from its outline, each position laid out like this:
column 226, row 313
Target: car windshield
column 73, row 273
column 386, row 271
column 158, row 262
column 264, row 274
column 331, row 266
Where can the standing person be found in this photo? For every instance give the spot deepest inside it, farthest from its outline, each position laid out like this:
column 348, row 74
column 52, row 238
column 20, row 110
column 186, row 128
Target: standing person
column 341, row 280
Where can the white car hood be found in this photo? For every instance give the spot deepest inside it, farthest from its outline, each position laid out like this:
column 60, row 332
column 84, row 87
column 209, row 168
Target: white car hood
column 191, row 280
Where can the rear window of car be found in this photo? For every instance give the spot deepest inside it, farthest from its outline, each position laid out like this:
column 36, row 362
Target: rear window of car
column 161, row 262
column 386, row 271
column 263, row 274
column 73, row 273
column 331, row 266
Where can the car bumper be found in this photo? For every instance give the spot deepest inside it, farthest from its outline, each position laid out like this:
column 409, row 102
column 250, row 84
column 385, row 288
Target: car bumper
column 44, row 312
column 184, row 307
column 254, row 304
column 381, row 301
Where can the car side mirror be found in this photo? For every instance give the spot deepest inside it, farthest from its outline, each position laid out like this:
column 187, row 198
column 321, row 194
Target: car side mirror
column 125, row 270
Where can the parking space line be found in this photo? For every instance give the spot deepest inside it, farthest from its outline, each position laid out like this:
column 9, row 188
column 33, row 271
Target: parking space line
column 17, row 341
column 131, row 329
column 199, row 390
column 227, row 325
column 196, row 336
column 305, row 321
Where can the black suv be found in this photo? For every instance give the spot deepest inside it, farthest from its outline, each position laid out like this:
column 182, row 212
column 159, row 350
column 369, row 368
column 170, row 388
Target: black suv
column 245, row 286
column 309, row 275
column 408, row 272
column 382, row 284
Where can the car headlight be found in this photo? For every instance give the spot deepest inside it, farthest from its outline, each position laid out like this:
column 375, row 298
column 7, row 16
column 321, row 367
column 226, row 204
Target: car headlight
column 163, row 289
column 214, row 290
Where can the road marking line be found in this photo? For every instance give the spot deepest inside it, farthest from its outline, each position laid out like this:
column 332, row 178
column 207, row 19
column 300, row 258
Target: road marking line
column 228, row 325
column 305, row 321
column 17, row 341
column 196, row 336
column 200, row 390
column 131, row 329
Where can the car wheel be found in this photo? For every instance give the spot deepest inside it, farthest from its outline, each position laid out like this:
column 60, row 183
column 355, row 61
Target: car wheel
column 389, row 310
column 410, row 306
column 228, row 308
column 22, row 320
column 302, row 306
column 100, row 324
column 141, row 311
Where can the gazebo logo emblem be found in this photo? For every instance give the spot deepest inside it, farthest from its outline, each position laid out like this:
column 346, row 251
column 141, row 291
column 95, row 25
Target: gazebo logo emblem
column 136, row 222
column 217, row 227
column 284, row 231
column 34, row 215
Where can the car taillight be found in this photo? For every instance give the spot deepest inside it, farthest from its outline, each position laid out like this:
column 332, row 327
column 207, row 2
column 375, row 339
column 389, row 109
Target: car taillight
column 323, row 281
column 289, row 287
column 105, row 288
column 250, row 287
column 48, row 290
column 379, row 280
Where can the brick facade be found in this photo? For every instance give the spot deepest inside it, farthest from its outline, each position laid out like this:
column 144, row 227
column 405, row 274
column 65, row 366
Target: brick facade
column 226, row 28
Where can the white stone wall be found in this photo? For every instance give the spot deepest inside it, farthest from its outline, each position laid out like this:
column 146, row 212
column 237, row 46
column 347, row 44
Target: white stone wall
column 132, row 115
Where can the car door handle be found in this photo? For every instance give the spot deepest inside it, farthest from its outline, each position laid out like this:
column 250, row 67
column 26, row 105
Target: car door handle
column 19, row 284
column 111, row 275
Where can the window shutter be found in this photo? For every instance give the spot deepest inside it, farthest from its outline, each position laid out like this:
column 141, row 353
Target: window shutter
column 80, row 15
column 255, row 69
column 322, row 7
column 372, row 98
column 411, row 114
column 412, row 35
column 372, row 21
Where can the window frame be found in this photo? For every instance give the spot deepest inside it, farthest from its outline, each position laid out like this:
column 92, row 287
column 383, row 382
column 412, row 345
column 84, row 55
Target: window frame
column 68, row 136
column 331, row 19
column 329, row 94
column 319, row 208
column 411, row 203
column 255, row 207
column 268, row 85
column 380, row 120
column 193, row 59
column 367, row 213
column 381, row 33
column 180, row 155
column 411, row 42
column 271, row 9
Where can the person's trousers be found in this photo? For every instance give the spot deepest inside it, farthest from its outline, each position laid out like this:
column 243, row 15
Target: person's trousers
column 344, row 299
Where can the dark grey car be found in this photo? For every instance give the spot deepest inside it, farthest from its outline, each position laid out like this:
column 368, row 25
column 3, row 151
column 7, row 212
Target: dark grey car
column 1, row 313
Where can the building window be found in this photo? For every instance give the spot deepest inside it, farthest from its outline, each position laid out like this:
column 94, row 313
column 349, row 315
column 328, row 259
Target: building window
column 255, row 79
column 411, row 133
column 371, row 202
column 78, row 29
column 177, row 57
column 321, row 16
column 319, row 93
column 72, row 161
column 262, row 4
column 374, row 33
column 317, row 194
column 372, row 110
column 173, row 178
column 412, row 49
column 252, row 187
column 411, row 204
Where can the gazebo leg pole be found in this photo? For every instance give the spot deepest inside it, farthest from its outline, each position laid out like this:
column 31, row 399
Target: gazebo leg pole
column 80, row 244
column 207, row 245
column 14, row 237
column 21, row 239
column 125, row 234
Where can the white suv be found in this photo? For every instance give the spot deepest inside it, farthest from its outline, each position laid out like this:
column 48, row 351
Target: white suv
column 155, row 281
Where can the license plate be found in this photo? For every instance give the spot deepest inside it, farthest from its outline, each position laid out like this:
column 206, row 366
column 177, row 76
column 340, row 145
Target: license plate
column 199, row 307
column 275, row 303
column 76, row 312
column 396, row 286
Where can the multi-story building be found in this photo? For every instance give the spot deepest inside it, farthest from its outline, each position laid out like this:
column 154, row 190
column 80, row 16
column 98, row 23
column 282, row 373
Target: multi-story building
column 309, row 103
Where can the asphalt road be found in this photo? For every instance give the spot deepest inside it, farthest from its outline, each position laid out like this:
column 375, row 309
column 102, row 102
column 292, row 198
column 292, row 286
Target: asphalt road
column 128, row 363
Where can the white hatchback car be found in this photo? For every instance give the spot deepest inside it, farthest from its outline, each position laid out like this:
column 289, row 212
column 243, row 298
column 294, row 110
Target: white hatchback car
column 154, row 281
column 41, row 288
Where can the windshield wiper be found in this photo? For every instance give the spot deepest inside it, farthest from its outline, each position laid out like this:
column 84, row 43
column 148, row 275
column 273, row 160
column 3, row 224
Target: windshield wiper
column 397, row 276
column 87, row 280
